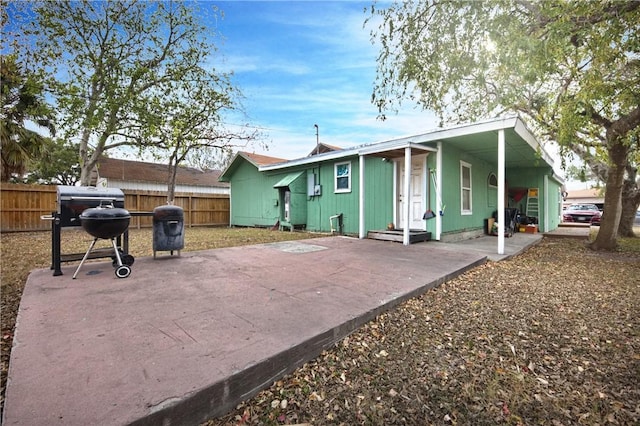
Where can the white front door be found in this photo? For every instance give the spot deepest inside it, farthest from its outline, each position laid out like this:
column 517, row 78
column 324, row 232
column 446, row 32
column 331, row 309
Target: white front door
column 417, row 201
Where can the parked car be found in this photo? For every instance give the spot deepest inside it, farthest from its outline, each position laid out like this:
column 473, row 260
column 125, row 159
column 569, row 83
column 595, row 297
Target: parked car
column 595, row 220
column 582, row 213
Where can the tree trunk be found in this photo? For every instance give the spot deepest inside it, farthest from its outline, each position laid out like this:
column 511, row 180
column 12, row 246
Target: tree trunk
column 608, row 232
column 630, row 202
column 171, row 187
column 88, row 166
column 87, row 163
column 85, row 175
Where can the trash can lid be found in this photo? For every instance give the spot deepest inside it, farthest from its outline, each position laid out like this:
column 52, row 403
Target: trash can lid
column 168, row 212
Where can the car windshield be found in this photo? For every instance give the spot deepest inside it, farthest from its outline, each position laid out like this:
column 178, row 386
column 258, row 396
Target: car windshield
column 583, row 207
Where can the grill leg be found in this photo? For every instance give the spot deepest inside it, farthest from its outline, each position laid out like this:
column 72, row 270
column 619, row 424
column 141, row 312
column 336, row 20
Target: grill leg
column 93, row 243
column 116, row 251
column 55, row 247
column 122, row 271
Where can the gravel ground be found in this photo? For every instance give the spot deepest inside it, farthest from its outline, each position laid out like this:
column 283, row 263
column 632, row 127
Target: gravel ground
column 549, row 337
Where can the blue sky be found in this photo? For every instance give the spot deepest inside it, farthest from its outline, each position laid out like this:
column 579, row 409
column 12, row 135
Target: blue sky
column 304, row 63
column 300, row 63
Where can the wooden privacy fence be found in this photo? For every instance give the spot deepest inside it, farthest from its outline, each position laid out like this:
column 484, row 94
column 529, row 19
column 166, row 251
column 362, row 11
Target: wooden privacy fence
column 23, row 205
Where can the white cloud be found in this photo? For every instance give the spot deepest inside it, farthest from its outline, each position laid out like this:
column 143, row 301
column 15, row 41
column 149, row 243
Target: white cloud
column 300, row 64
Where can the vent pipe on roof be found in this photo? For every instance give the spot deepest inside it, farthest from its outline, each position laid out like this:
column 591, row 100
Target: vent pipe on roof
column 317, row 139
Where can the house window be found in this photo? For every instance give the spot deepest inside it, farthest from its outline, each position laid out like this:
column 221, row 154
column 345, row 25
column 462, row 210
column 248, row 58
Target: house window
column 465, row 188
column 492, row 180
column 343, row 177
column 492, row 190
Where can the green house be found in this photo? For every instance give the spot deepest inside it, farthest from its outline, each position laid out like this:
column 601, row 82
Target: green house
column 459, row 180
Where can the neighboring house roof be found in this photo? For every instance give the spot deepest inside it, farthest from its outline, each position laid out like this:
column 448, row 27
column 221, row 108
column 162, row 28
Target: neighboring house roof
column 260, row 160
column 138, row 171
column 321, row 148
column 594, row 195
column 585, row 193
column 257, row 160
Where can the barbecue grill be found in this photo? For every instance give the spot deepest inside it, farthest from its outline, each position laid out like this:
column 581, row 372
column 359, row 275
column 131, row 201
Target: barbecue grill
column 72, row 201
column 107, row 222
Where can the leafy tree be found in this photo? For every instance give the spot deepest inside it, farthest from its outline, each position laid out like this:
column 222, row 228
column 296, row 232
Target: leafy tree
column 109, row 58
column 571, row 68
column 22, row 103
column 59, row 165
column 210, row 159
column 598, row 169
column 188, row 123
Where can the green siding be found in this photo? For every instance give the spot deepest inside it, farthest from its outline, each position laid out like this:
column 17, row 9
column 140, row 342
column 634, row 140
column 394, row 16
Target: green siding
column 322, row 207
column 482, row 197
column 432, row 200
column 554, row 199
column 526, row 178
column 298, row 200
column 254, row 201
column 379, row 202
column 534, row 177
column 378, row 196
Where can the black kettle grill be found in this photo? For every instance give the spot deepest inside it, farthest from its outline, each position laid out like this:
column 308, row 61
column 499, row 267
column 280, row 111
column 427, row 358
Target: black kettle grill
column 107, row 222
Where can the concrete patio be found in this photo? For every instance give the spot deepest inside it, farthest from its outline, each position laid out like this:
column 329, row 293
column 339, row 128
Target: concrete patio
column 187, row 338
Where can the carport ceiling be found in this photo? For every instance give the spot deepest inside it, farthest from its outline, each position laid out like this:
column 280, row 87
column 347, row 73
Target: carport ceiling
column 518, row 153
column 484, row 145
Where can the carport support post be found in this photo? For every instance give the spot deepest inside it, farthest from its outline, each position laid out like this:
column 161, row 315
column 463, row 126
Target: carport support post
column 438, row 190
column 361, row 228
column 501, row 190
column 407, row 195
column 545, row 203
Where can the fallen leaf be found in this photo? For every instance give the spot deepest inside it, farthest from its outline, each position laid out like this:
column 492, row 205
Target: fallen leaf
column 505, row 410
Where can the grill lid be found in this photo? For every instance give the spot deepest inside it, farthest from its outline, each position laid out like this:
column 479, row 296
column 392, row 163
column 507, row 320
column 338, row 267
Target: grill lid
column 105, row 221
column 73, row 200
column 105, row 213
column 83, row 193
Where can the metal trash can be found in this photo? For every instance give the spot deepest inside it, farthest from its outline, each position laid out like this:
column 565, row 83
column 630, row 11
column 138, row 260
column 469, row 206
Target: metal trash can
column 168, row 229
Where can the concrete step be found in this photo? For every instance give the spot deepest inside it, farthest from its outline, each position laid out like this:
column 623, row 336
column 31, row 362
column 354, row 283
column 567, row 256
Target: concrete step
column 415, row 236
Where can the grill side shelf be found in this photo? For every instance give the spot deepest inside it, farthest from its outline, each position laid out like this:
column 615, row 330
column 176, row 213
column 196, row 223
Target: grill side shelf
column 95, row 254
